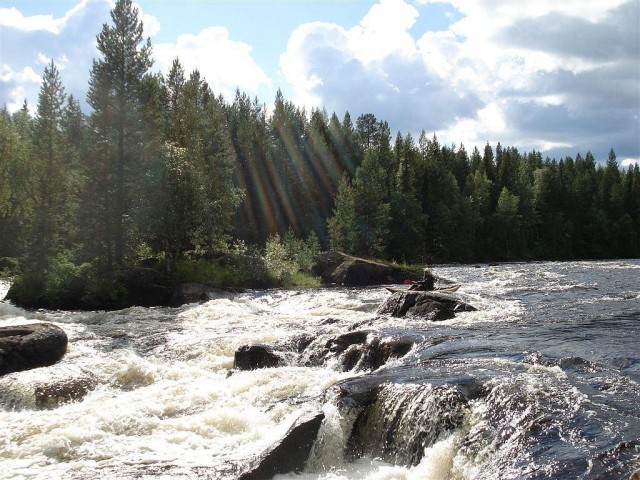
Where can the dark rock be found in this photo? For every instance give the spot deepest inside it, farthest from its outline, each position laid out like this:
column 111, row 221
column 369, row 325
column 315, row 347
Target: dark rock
column 192, row 293
column 291, row 453
column 24, row 347
column 342, row 269
column 379, row 351
column 359, row 349
column 252, row 357
column 361, row 391
column 404, row 419
column 429, row 305
column 295, row 343
column 340, row 343
column 144, row 287
column 374, row 353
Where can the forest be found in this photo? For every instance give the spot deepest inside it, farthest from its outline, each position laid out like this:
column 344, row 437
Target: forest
column 162, row 166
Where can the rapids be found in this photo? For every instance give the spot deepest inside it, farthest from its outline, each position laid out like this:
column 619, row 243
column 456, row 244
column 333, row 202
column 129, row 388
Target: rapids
column 551, row 355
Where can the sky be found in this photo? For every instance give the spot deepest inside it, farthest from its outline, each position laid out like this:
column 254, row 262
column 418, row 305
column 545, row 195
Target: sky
column 558, row 76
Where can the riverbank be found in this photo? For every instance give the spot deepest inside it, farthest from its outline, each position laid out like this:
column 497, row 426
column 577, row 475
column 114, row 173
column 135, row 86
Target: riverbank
column 198, row 280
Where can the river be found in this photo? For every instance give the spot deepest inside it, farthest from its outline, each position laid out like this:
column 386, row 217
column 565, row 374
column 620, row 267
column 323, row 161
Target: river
column 554, row 347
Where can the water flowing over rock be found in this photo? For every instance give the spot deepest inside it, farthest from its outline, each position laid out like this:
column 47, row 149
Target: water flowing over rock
column 525, row 387
column 359, row 350
column 291, row 453
column 406, row 419
column 194, row 293
column 29, row 346
column 45, row 388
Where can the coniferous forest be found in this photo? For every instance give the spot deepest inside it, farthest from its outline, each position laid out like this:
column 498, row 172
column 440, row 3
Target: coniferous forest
column 160, row 165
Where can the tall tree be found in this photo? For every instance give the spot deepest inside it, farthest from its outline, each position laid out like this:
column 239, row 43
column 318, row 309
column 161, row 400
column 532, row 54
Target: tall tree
column 15, row 191
column 48, row 163
column 114, row 95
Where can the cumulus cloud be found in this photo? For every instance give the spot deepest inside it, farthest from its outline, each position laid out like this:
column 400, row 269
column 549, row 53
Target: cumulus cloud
column 12, row 18
column 629, row 162
column 69, row 40
column 376, row 66
column 225, row 64
column 561, row 77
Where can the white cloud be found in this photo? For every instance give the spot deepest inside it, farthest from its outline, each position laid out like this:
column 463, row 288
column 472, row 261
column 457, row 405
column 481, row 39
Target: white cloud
column 627, row 162
column 318, row 51
column 224, row 63
column 26, row 75
column 13, row 18
column 69, row 40
column 383, row 32
column 554, row 76
column 150, row 23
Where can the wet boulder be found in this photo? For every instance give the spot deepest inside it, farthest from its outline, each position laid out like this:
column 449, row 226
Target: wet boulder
column 424, row 304
column 289, row 454
column 46, row 388
column 361, row 350
column 296, row 343
column 363, row 390
column 23, row 347
column 376, row 353
column 252, row 357
column 342, row 269
column 404, row 419
column 341, row 342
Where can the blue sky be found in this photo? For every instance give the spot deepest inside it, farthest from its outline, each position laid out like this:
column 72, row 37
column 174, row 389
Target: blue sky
column 558, row 76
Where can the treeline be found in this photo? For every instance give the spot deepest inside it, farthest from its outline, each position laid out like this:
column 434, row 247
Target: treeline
column 162, row 166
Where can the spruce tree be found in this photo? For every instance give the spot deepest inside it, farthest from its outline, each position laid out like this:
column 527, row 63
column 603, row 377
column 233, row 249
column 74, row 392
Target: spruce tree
column 114, row 95
column 50, row 174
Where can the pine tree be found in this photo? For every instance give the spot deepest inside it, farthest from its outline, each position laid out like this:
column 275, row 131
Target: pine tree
column 114, row 95
column 50, row 174
column 343, row 225
column 15, row 191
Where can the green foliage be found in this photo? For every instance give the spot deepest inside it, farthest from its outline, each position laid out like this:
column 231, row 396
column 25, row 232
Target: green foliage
column 305, row 280
column 289, row 259
column 164, row 169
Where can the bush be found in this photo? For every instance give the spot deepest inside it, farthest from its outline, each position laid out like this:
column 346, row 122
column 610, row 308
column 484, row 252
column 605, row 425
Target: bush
column 304, row 279
column 280, row 264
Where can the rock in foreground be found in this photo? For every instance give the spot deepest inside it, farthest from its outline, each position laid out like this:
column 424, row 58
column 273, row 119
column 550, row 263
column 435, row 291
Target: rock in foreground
column 291, row 453
column 24, row 347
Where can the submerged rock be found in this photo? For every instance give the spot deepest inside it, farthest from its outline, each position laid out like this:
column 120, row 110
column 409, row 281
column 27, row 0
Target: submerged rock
column 426, row 304
column 23, row 347
column 46, row 388
column 53, row 394
column 289, row 454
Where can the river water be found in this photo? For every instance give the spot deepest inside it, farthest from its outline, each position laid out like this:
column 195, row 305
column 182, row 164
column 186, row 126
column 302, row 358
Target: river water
column 553, row 350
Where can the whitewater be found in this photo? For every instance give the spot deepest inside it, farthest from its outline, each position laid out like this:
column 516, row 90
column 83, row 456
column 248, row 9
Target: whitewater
column 552, row 350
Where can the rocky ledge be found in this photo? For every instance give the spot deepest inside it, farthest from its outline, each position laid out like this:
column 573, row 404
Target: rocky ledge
column 346, row 270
